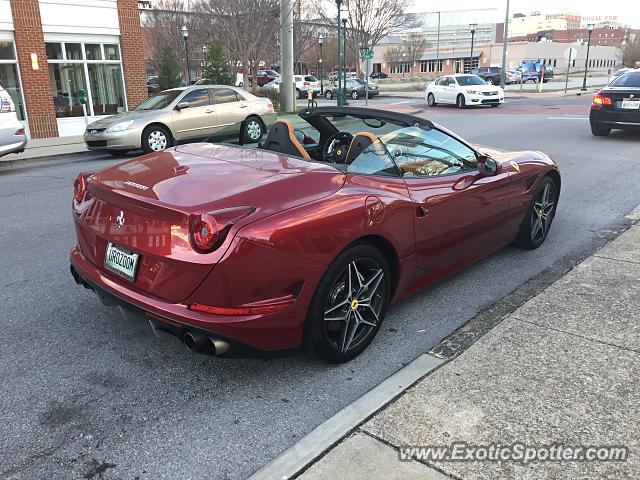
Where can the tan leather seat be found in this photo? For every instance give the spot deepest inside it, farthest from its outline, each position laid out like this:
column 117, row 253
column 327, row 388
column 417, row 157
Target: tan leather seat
column 282, row 139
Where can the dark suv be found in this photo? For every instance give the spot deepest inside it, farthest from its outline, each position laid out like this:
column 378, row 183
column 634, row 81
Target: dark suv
column 489, row 74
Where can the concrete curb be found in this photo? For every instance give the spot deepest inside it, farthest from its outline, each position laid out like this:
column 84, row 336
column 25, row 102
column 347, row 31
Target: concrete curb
column 295, row 459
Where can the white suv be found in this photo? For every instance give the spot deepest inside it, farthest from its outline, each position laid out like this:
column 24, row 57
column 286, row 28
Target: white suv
column 12, row 135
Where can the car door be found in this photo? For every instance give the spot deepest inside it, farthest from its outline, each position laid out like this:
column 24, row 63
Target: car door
column 231, row 110
column 449, row 90
column 458, row 212
column 198, row 120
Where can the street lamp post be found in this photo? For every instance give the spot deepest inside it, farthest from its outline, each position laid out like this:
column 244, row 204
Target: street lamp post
column 472, row 27
column 339, row 95
column 586, row 61
column 344, row 59
column 320, row 40
column 185, row 35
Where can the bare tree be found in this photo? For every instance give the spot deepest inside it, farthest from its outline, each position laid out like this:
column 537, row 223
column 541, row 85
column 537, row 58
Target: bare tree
column 247, row 29
column 372, row 20
column 415, row 45
column 162, row 28
column 630, row 52
column 395, row 54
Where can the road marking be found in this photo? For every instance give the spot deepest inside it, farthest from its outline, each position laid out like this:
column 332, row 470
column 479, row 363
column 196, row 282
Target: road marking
column 327, row 434
column 405, row 101
column 568, row 117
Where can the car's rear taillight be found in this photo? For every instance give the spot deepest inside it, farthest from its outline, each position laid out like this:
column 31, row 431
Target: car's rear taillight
column 80, row 192
column 307, row 84
column 20, row 131
column 79, row 188
column 270, row 105
column 208, row 230
column 601, row 99
column 256, row 309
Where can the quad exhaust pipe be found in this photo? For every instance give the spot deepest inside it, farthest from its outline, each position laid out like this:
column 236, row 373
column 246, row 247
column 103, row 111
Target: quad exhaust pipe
column 203, row 344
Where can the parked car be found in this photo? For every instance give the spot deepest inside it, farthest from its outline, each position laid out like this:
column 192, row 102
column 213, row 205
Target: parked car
column 355, row 88
column 617, row 73
column 263, row 77
column 333, row 76
column 533, row 72
column 489, row 74
column 13, row 138
column 152, row 85
column 513, row 76
column 304, row 83
column 379, row 75
column 301, row 244
column 617, row 106
column 183, row 115
column 463, row 90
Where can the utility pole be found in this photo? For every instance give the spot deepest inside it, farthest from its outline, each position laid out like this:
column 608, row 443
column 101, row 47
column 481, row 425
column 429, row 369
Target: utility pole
column 503, row 75
column 438, row 47
column 288, row 103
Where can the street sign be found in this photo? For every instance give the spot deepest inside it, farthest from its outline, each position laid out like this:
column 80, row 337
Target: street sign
column 570, row 52
column 368, row 55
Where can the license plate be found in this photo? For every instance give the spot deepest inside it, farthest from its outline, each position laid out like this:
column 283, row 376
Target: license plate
column 631, row 104
column 121, row 262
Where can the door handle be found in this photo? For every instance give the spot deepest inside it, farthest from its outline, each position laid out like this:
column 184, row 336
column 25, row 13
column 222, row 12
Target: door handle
column 422, row 211
column 243, row 106
column 209, row 111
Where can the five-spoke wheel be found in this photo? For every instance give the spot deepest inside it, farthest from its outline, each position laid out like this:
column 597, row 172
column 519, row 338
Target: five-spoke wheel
column 349, row 304
column 537, row 223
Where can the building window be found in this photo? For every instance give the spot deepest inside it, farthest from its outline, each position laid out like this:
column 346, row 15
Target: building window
column 9, row 77
column 85, row 74
column 429, row 66
column 470, row 65
column 555, row 63
column 400, row 67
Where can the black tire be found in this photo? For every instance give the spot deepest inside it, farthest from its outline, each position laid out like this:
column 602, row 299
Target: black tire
column 148, row 140
column 431, row 100
column 298, row 93
column 530, row 236
column 241, row 84
column 494, row 105
column 355, row 95
column 460, row 101
column 327, row 338
column 600, row 131
column 328, row 94
column 252, row 131
column 117, row 153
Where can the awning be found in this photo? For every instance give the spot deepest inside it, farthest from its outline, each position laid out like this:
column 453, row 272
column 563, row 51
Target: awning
column 450, row 55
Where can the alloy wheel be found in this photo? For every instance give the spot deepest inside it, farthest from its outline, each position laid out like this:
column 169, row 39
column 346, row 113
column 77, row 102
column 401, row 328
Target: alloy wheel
column 542, row 213
column 157, row 141
column 354, row 304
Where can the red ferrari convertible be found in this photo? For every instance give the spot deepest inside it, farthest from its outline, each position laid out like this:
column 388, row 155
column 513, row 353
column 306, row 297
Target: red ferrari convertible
column 305, row 240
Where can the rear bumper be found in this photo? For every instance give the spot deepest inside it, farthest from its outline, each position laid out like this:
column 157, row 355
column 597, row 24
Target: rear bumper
column 9, row 142
column 269, row 332
column 610, row 118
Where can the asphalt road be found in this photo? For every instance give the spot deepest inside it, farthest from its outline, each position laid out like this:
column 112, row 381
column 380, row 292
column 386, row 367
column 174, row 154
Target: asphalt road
column 86, row 394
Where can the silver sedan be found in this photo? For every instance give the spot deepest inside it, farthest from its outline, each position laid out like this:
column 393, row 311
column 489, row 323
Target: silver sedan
column 182, row 115
column 12, row 135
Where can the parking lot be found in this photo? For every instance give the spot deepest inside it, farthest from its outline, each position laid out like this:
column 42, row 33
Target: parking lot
column 87, row 394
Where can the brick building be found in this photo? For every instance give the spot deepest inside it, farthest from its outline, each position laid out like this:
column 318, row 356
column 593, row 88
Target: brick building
column 605, row 36
column 66, row 62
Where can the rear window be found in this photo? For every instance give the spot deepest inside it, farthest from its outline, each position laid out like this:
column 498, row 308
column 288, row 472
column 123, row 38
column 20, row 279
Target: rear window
column 627, row 80
column 310, row 78
column 494, row 69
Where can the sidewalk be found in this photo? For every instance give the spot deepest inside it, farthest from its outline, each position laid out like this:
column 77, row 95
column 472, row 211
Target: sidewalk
column 563, row 368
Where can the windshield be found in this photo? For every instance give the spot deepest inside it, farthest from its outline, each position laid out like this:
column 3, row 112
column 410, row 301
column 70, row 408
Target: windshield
column 159, row 101
column 470, row 80
column 627, row 80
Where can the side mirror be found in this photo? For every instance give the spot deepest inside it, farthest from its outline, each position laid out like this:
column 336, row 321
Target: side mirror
column 487, row 166
column 182, row 105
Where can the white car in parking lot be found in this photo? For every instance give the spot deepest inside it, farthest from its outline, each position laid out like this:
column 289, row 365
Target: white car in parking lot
column 463, row 90
column 12, row 135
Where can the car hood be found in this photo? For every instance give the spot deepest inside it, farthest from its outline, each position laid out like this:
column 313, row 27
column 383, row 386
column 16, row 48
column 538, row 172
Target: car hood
column 202, row 177
column 120, row 117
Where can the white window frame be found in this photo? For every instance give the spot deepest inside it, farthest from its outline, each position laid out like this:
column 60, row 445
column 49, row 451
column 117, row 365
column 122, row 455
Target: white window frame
column 82, row 40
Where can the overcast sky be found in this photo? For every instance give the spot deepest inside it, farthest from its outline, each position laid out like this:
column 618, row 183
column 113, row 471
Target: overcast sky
column 627, row 11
